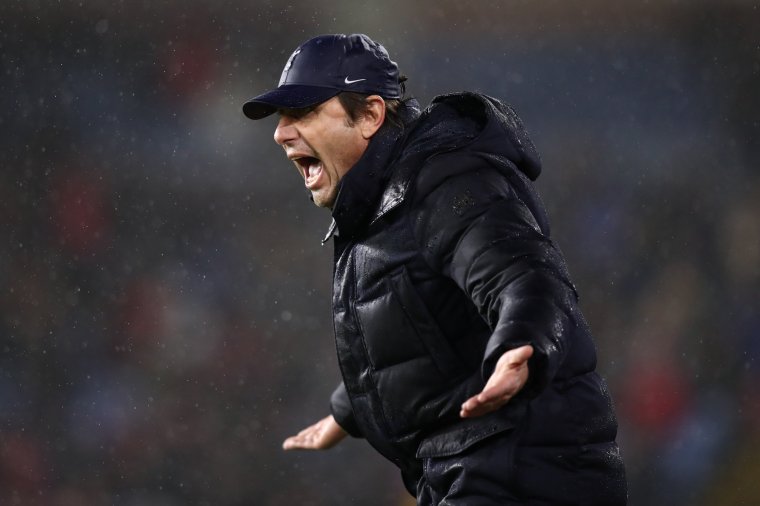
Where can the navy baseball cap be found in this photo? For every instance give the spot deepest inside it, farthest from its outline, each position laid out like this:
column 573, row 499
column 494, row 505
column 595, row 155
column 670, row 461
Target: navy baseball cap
column 324, row 66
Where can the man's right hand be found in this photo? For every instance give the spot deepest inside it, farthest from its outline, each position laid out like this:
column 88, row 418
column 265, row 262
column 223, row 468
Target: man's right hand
column 324, row 434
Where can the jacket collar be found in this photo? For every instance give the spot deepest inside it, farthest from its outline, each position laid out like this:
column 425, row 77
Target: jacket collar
column 363, row 185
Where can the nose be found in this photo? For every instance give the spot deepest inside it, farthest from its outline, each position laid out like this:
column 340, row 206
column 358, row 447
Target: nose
column 285, row 131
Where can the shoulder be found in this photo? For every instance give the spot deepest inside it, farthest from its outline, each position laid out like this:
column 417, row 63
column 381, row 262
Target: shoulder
column 459, row 139
column 458, row 172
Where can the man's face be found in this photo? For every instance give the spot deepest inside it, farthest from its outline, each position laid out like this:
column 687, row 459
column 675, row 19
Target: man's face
column 323, row 144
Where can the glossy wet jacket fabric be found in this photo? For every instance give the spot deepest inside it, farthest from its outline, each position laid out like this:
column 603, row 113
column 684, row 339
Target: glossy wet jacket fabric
column 443, row 261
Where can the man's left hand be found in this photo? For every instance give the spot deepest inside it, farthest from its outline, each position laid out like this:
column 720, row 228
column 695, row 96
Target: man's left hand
column 508, row 377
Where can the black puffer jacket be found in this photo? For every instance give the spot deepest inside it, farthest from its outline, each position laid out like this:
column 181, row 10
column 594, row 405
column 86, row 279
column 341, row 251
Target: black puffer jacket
column 442, row 262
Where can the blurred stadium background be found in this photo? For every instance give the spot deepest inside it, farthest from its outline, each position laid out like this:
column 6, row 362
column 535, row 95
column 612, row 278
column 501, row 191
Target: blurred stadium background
column 165, row 299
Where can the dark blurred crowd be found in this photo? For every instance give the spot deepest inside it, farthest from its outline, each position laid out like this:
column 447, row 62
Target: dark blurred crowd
column 164, row 313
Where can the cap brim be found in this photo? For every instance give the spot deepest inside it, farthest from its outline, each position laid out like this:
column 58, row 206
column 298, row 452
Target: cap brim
column 289, row 96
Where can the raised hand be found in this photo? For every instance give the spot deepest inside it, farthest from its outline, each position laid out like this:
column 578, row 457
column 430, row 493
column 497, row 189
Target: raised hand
column 324, row 434
column 508, row 377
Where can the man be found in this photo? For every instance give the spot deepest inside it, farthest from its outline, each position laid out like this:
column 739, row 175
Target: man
column 464, row 356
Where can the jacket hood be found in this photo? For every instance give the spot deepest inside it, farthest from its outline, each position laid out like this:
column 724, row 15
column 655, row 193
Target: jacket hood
column 469, row 122
column 478, row 123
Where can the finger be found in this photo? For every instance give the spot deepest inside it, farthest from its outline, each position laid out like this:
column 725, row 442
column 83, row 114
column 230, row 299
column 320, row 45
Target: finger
column 290, row 444
column 480, row 404
column 299, row 441
column 481, row 408
column 473, row 412
column 470, row 403
column 298, row 445
column 506, row 387
column 475, row 404
column 304, row 432
column 478, row 410
column 493, row 402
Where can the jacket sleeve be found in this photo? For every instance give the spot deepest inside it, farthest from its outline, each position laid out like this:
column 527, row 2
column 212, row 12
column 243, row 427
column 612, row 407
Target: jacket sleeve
column 472, row 227
column 340, row 407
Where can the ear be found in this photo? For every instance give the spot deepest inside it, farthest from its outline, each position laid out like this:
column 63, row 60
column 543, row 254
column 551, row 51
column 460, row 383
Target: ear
column 373, row 117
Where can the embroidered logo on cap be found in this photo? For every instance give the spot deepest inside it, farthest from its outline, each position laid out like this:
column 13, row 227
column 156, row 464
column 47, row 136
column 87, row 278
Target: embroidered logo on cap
column 289, row 64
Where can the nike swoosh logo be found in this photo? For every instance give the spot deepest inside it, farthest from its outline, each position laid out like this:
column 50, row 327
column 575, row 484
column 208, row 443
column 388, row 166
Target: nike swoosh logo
column 352, row 81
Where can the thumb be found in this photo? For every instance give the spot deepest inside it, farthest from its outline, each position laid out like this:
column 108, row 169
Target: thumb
column 519, row 356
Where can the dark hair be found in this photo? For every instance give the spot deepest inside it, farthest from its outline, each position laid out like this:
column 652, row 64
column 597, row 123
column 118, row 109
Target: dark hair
column 355, row 105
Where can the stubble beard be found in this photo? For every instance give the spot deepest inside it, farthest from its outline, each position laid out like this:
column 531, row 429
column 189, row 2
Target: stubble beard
column 324, row 199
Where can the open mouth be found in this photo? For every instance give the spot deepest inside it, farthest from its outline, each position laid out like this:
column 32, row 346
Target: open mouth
column 311, row 168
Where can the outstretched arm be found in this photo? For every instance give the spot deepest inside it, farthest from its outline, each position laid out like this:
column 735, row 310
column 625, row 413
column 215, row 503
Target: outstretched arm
column 473, row 228
column 324, row 434
column 508, row 378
